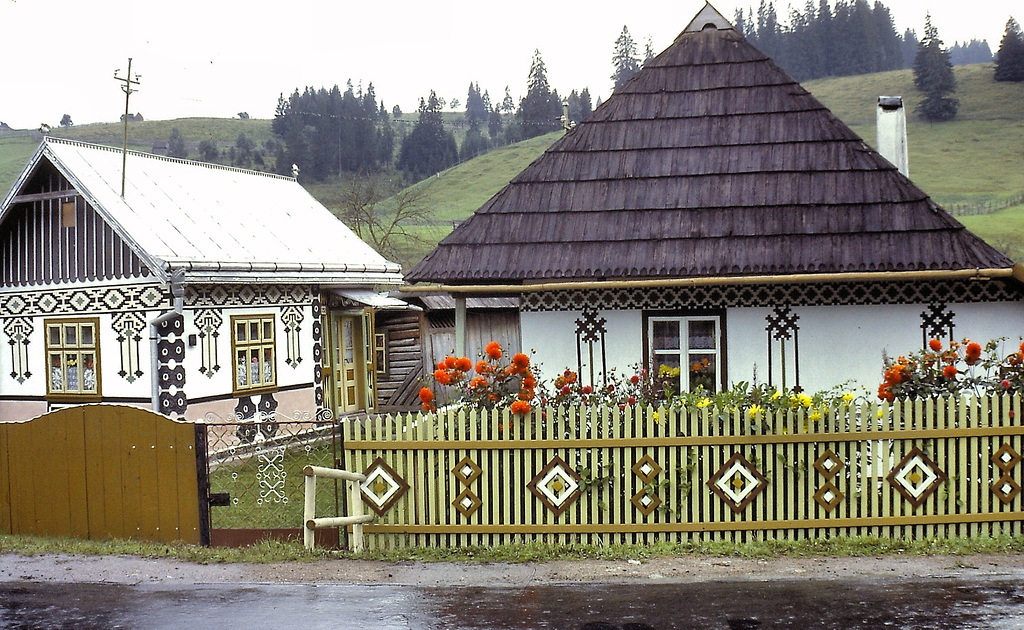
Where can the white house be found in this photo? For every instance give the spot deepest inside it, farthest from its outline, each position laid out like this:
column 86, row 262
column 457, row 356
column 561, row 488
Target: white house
column 200, row 288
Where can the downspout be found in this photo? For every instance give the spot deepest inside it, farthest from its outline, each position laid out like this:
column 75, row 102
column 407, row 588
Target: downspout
column 178, row 296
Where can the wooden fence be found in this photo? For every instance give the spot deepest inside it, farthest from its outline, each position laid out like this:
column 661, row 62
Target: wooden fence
column 102, row 471
column 638, row 476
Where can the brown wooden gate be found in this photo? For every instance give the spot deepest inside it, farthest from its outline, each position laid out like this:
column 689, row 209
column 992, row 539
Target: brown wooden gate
column 103, row 471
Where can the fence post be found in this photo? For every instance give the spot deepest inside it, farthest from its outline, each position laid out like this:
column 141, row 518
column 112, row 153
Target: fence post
column 356, row 510
column 309, row 512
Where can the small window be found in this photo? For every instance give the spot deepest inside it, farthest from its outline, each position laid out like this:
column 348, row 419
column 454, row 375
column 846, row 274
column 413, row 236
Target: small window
column 380, row 351
column 254, row 351
column 72, row 358
column 686, row 352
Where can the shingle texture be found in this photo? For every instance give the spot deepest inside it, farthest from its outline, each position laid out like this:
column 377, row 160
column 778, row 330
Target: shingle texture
column 711, row 161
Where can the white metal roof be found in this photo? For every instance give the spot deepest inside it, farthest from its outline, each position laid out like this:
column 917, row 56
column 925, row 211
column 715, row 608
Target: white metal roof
column 217, row 223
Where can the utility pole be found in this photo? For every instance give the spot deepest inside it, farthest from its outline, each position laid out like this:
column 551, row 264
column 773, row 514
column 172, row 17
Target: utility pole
column 127, row 89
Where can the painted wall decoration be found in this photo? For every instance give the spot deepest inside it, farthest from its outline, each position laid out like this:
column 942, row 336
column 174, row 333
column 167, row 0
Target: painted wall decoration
column 782, row 328
column 590, row 335
column 292, row 318
column 936, row 323
column 84, row 300
column 318, row 356
column 749, row 295
column 221, row 295
column 129, row 326
column 208, row 321
column 19, row 331
column 171, row 370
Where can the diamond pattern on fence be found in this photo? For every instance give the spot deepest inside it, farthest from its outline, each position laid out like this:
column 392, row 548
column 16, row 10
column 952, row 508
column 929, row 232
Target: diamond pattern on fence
column 259, row 465
column 1006, row 487
column 557, row 485
column 383, row 486
column 916, row 477
column 737, row 482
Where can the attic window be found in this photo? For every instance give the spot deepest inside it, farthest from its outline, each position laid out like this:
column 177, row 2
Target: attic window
column 709, row 26
column 67, row 214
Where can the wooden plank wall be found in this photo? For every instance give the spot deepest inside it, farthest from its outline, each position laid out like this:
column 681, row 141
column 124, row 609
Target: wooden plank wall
column 100, row 472
column 605, row 446
column 404, row 357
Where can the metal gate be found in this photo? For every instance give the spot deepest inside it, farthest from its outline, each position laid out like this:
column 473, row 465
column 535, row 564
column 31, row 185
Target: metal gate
column 104, row 471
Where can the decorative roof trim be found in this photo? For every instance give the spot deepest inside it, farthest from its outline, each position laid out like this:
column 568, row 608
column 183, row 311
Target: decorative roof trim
column 1016, row 272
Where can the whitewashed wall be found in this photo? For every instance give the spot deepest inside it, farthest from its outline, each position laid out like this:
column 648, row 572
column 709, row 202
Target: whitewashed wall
column 837, row 343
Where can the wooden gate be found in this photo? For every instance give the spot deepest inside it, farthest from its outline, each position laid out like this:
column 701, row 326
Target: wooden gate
column 103, row 471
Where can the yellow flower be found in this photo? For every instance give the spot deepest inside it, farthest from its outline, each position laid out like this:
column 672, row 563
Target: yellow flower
column 804, row 400
column 879, row 413
column 656, row 416
column 776, row 395
column 704, row 402
column 755, row 411
column 848, row 397
column 815, row 415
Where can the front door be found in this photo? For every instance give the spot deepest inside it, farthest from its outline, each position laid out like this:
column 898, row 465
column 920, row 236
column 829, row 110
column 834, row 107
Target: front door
column 350, row 375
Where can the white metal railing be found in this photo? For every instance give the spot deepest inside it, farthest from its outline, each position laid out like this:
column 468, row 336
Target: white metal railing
column 309, row 521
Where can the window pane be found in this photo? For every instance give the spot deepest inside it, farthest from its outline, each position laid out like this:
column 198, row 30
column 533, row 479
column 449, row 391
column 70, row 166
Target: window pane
column 702, row 372
column 89, row 373
column 242, row 370
column 254, row 366
column 70, row 335
column 56, row 372
column 349, row 341
column 55, row 336
column 702, row 335
column 268, row 330
column 240, row 332
column 87, row 336
column 666, row 335
column 667, row 371
column 254, row 331
column 71, row 363
column 268, row 365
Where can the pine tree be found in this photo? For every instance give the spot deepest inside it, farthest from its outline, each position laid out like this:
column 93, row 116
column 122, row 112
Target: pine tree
column 933, row 75
column 428, row 148
column 476, row 110
column 540, row 109
column 625, row 63
column 1010, row 57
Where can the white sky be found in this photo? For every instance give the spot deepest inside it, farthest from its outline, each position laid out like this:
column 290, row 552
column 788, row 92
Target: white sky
column 217, row 58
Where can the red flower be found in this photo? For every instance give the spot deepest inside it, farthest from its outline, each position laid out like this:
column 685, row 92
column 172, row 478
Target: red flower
column 478, row 383
column 449, row 362
column 426, row 396
column 529, row 382
column 631, row 400
column 463, row 364
column 483, row 367
column 565, row 391
column 885, row 392
column 1005, row 384
column 587, row 389
column 935, row 345
column 520, row 407
column 442, row 377
column 520, row 361
column 493, row 350
column 974, row 350
column 634, row 379
column 949, row 372
column 441, row 365
column 570, row 376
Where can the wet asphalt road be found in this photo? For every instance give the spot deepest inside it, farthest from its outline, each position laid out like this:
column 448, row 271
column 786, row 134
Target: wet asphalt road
column 935, row 603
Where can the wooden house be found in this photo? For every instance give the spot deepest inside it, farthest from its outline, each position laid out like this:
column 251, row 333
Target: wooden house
column 712, row 212
column 186, row 287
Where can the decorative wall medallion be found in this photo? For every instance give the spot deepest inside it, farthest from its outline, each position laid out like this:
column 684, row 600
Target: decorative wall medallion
column 19, row 332
column 292, row 317
column 557, row 485
column 590, row 333
column 467, row 471
column 916, row 477
column 936, row 323
column 737, row 482
column 1006, row 487
column 467, row 502
column 646, row 468
column 208, row 321
column 645, row 502
column 129, row 326
column 782, row 328
column 383, row 486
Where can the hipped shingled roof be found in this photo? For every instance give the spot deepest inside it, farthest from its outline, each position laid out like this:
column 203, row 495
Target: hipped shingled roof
column 711, row 161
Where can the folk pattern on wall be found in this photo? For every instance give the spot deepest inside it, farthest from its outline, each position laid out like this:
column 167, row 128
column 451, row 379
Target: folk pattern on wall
column 208, row 321
column 318, row 356
column 221, row 295
column 590, row 346
column 129, row 327
column 767, row 296
column 19, row 332
column 80, row 301
column 782, row 330
column 292, row 318
column 171, row 368
column 936, row 323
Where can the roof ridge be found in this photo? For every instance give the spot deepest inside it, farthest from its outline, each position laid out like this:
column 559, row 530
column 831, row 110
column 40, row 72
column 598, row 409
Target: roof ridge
column 165, row 158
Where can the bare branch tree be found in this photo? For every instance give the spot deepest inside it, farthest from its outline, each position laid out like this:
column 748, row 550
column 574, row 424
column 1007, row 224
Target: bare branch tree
column 382, row 219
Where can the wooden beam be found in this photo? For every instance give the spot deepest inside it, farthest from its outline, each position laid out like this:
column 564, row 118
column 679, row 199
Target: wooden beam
column 45, row 196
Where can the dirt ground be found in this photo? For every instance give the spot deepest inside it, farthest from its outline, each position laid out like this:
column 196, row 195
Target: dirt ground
column 133, row 570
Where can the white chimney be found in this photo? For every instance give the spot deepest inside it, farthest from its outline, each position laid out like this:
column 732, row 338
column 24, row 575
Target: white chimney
column 891, row 126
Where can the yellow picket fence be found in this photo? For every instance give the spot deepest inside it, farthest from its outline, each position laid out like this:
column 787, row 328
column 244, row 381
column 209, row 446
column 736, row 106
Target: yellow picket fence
column 637, row 476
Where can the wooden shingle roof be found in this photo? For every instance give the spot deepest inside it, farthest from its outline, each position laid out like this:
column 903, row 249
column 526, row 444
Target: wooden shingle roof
column 711, row 161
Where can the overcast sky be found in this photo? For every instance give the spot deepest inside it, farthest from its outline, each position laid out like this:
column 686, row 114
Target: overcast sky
column 217, row 58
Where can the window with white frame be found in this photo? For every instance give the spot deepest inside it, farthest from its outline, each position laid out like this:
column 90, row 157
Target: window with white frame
column 253, row 347
column 686, row 352
column 72, row 357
